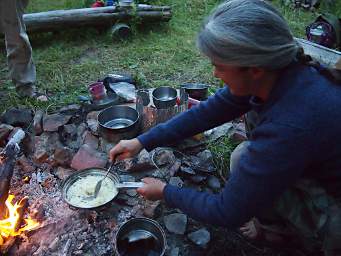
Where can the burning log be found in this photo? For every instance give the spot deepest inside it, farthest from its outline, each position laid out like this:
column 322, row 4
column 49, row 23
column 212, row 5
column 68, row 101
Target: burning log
column 55, row 20
column 7, row 161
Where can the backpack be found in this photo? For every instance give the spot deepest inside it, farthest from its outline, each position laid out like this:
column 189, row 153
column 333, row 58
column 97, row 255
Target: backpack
column 325, row 31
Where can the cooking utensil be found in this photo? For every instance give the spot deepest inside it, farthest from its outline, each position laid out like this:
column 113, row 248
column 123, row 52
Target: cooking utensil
column 68, row 183
column 142, row 236
column 99, row 183
column 164, row 97
column 196, row 90
column 118, row 122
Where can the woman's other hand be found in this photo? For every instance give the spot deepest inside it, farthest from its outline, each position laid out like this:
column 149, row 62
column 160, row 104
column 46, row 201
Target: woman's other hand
column 152, row 189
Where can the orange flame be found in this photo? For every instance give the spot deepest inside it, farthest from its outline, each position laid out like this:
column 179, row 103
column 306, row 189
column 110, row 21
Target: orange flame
column 8, row 225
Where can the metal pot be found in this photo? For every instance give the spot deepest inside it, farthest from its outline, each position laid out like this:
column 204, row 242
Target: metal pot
column 118, row 122
column 196, row 91
column 164, row 97
column 141, row 236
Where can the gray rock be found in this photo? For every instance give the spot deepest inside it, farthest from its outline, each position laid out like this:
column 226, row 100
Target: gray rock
column 87, row 157
column 131, row 192
column 70, row 109
column 90, row 139
column 38, row 122
column 51, row 123
column 219, row 131
column 176, row 223
column 150, row 207
column 197, row 179
column 200, row 237
column 19, row 117
column 141, row 162
column 63, row 156
column 132, row 201
column 174, row 252
column 163, row 156
column 213, row 182
column 205, row 156
column 187, row 170
column 41, row 153
column 92, row 123
column 63, row 173
column 176, row 181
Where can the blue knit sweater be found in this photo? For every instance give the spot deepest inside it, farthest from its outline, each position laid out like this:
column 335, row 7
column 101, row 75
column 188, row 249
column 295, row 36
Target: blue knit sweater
column 299, row 135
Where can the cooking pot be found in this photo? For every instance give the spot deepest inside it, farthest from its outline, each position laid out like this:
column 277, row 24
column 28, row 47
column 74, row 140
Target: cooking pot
column 99, row 172
column 164, row 97
column 118, row 122
column 196, row 90
column 140, row 236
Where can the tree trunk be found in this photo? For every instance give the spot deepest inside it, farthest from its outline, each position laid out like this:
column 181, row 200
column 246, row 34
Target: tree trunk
column 102, row 16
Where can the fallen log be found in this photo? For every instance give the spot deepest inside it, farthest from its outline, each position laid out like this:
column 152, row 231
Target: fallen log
column 103, row 16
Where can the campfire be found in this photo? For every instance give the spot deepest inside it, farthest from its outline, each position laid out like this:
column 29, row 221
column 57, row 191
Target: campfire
column 11, row 225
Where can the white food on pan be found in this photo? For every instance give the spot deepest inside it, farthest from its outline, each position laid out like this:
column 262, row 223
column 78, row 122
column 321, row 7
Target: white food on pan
column 79, row 192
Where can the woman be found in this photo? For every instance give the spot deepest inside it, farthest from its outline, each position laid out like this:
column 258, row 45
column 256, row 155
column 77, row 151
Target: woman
column 291, row 165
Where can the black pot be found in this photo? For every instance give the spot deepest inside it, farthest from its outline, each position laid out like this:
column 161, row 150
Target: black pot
column 196, row 91
column 118, row 122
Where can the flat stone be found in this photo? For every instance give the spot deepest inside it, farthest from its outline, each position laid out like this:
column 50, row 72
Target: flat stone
column 93, row 126
column 87, row 157
column 18, row 117
column 38, row 122
column 205, row 156
column 5, row 130
column 176, row 223
column 52, row 122
column 63, row 156
column 90, row 139
column 213, row 182
column 63, row 173
column 200, row 237
column 176, row 181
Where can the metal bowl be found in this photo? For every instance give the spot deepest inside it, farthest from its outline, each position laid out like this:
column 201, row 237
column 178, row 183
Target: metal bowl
column 196, row 91
column 118, row 122
column 164, row 97
column 144, row 235
column 69, row 181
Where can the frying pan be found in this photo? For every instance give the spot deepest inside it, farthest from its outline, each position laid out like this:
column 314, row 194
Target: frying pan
column 68, row 183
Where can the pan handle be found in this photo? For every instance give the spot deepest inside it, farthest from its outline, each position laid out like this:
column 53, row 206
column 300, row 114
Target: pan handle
column 130, row 185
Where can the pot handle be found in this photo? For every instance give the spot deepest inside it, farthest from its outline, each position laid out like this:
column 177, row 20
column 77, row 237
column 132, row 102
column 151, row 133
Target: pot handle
column 130, row 185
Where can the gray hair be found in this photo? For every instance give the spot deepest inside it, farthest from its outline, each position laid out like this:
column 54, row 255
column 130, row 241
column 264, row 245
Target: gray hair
column 247, row 33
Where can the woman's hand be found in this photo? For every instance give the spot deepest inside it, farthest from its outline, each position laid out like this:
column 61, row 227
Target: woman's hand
column 152, row 189
column 125, row 149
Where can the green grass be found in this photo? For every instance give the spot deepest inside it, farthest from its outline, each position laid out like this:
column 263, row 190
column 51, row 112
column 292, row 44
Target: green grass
column 161, row 55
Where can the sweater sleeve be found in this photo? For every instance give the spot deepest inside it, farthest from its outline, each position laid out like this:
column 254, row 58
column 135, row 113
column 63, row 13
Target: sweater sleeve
column 274, row 159
column 218, row 109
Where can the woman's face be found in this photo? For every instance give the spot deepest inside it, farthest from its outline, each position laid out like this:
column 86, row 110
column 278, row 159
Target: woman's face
column 239, row 80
